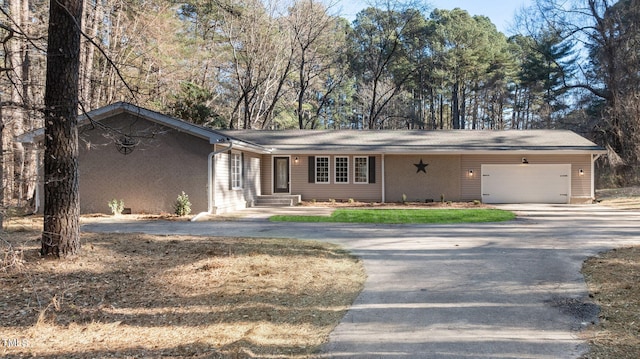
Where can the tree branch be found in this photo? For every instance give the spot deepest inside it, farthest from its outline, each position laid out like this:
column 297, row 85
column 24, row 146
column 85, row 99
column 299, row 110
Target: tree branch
column 88, row 38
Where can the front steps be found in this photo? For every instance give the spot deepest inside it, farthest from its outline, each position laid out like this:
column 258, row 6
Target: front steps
column 277, row 200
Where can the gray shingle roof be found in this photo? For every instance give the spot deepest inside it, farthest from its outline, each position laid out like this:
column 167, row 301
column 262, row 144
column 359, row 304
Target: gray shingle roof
column 363, row 141
column 417, row 141
column 124, row 107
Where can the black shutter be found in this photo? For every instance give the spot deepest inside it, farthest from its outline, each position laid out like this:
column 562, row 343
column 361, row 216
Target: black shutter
column 312, row 169
column 230, row 170
column 372, row 169
column 242, row 170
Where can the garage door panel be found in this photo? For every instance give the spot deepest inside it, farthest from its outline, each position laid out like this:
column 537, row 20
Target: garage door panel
column 526, row 183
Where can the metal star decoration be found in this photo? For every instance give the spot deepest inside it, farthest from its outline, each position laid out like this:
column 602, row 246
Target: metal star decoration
column 422, row 167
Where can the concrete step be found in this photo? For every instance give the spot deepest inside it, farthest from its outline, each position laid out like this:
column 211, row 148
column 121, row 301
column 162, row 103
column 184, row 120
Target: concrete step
column 278, row 201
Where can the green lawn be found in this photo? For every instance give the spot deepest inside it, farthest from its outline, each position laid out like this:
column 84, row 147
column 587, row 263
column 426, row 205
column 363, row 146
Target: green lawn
column 406, row 216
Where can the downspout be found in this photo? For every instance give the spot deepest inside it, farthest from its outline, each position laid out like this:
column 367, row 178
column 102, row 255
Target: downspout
column 210, row 176
column 383, row 179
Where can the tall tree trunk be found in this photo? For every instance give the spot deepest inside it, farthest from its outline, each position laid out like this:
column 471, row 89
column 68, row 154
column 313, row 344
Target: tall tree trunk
column 527, row 112
column 247, row 113
column 88, row 51
column 372, row 107
column 476, row 107
column 14, row 161
column 432, row 109
column 29, row 164
column 301, row 91
column 455, row 106
column 516, row 111
column 268, row 115
column 61, row 234
column 500, row 112
column 462, row 123
column 441, row 111
column 2, row 202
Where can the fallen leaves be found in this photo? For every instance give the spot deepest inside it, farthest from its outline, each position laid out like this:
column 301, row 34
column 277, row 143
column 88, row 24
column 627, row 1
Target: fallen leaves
column 180, row 296
column 612, row 279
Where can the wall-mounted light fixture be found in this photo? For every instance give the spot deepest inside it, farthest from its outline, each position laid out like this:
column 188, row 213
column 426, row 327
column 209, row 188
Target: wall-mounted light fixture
column 524, row 160
column 296, row 160
column 470, row 173
column 581, row 172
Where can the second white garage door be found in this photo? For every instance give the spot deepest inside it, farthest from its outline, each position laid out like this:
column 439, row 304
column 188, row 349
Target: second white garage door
column 526, row 183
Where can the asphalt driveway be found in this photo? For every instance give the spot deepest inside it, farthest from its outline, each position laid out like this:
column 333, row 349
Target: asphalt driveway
column 501, row 290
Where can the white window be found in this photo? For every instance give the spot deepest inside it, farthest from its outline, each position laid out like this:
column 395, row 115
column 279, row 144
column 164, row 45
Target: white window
column 236, row 170
column 341, row 169
column 322, row 169
column 361, row 169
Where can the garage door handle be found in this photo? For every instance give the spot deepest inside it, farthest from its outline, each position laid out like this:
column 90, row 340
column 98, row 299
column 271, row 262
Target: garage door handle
column 564, row 175
column 564, row 194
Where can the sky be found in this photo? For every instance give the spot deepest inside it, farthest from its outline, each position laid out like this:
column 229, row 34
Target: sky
column 499, row 11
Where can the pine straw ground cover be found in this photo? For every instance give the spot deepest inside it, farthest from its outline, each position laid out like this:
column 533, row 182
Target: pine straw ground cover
column 144, row 296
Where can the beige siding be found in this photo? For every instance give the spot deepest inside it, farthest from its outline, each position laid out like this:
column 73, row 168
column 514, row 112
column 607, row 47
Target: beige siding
column 580, row 185
column 149, row 179
column 227, row 199
column 442, row 178
column 369, row 192
column 252, row 176
column 447, row 175
column 267, row 175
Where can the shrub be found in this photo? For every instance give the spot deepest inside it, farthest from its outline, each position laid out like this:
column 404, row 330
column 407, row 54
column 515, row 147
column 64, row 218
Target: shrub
column 476, row 202
column 182, row 206
column 11, row 259
column 116, row 206
column 404, row 198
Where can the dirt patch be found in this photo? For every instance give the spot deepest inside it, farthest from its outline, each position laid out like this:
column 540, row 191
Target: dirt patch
column 136, row 295
column 612, row 279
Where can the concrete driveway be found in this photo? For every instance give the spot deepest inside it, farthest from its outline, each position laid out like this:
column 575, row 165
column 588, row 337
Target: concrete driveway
column 501, row 290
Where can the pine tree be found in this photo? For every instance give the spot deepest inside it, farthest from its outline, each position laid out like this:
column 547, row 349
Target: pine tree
column 61, row 234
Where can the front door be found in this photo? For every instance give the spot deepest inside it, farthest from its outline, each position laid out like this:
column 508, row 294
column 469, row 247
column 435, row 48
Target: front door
column 281, row 175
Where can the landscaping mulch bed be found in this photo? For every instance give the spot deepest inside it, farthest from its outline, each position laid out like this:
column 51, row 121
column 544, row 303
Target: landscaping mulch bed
column 405, row 205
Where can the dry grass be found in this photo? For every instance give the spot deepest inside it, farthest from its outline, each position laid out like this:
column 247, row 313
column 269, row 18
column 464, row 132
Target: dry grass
column 622, row 198
column 174, row 296
column 612, row 279
column 169, row 296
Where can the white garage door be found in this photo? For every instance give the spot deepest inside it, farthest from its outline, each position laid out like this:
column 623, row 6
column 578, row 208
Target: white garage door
column 526, row 183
